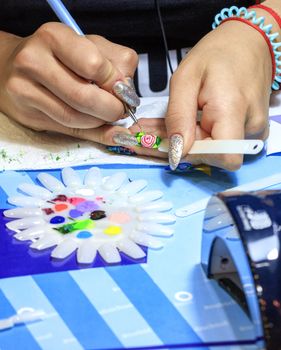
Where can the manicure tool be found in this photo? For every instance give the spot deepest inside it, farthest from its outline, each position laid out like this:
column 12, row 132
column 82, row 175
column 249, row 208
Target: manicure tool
column 65, row 17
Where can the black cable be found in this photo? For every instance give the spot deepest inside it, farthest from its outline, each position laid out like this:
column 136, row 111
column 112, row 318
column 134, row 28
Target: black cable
column 163, row 35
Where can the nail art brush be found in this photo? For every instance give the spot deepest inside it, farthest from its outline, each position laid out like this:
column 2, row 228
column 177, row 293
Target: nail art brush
column 65, row 17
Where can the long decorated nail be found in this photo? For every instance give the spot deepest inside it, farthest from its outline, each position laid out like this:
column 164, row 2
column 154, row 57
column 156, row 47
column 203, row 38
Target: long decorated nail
column 148, row 140
column 125, row 140
column 121, row 150
column 175, row 150
column 130, row 82
column 126, row 94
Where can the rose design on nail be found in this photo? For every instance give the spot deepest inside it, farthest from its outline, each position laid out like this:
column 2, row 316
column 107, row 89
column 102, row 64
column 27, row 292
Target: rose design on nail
column 148, row 141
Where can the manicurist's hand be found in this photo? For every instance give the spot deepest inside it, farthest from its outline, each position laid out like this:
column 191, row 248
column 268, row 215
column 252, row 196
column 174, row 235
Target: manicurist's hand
column 227, row 75
column 45, row 81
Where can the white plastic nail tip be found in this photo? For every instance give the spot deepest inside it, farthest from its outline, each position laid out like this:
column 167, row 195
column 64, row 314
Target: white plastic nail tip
column 36, row 191
column 114, row 182
column 24, row 201
column 64, row 249
column 31, row 233
column 133, row 187
column 218, row 222
column 46, row 242
column 71, row 178
column 50, row 182
column 155, row 206
column 220, row 146
column 159, row 218
column 109, row 253
column 155, row 229
column 131, row 249
column 93, row 177
column 21, row 224
column 146, row 240
column 18, row 213
column 86, row 253
column 145, row 197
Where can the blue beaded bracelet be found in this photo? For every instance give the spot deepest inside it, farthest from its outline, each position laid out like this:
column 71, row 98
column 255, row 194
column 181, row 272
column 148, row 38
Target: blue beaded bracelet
column 251, row 16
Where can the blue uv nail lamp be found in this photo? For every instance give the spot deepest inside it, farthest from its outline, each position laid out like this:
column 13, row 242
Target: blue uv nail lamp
column 241, row 250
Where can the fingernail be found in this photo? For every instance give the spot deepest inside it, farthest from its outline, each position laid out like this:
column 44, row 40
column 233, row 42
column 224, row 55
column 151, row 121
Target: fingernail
column 121, row 150
column 181, row 168
column 126, row 94
column 125, row 140
column 131, row 83
column 175, row 150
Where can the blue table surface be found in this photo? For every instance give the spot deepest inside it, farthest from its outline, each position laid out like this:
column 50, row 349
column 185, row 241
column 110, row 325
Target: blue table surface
column 165, row 302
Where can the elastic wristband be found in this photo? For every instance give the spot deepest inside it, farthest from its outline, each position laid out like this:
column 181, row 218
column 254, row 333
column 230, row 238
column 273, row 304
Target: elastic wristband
column 273, row 13
column 246, row 21
column 250, row 18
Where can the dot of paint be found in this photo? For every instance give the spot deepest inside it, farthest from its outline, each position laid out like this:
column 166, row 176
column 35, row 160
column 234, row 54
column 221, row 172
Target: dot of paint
column 84, row 234
column 57, row 220
column 120, row 217
column 76, row 200
column 48, row 211
column 60, row 207
column 60, row 198
column 85, row 192
column 97, row 215
column 87, row 206
column 113, row 230
column 75, row 213
column 75, row 226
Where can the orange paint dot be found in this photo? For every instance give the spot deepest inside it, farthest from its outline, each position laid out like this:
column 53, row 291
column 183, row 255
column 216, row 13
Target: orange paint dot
column 60, row 207
column 120, row 217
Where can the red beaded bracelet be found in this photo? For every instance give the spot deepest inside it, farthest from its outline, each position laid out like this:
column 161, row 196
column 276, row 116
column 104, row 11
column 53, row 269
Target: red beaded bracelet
column 264, row 36
column 273, row 13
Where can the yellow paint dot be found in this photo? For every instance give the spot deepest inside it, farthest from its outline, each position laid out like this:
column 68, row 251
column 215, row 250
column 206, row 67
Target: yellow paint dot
column 113, row 230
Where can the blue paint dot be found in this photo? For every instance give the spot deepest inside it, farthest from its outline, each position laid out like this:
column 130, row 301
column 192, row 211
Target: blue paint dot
column 84, row 234
column 75, row 213
column 57, row 220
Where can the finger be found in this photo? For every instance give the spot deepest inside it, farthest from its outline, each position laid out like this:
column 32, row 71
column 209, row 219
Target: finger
column 61, row 112
column 226, row 123
column 80, row 55
column 123, row 58
column 181, row 113
column 78, row 93
column 257, row 124
column 34, row 95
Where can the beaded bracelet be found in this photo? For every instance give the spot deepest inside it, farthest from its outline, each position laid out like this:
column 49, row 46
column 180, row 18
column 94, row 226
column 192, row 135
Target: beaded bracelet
column 250, row 17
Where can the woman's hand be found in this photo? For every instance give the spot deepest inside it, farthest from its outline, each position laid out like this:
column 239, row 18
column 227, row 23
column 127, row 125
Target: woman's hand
column 45, row 81
column 227, row 75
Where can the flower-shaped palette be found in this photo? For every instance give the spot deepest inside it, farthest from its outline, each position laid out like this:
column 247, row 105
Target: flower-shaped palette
column 105, row 215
